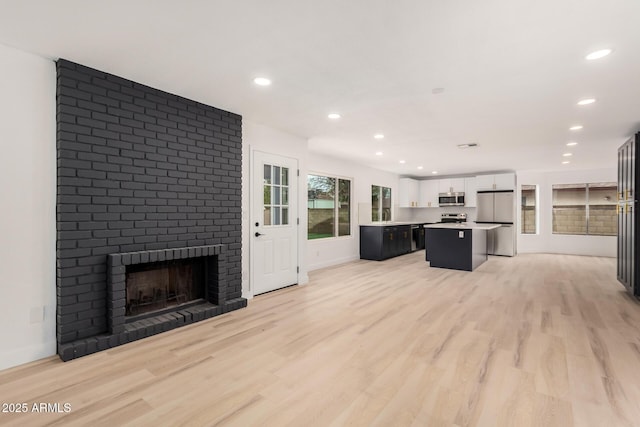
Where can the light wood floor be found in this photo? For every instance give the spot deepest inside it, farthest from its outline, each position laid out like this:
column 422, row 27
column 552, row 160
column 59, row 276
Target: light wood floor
column 545, row 340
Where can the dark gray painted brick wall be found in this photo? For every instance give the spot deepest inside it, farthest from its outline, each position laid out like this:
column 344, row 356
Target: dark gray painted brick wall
column 138, row 169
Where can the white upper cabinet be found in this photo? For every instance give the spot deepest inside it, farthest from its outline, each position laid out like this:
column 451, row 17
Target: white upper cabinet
column 484, row 182
column 505, row 181
column 429, row 190
column 470, row 192
column 451, row 185
column 408, row 193
column 502, row 181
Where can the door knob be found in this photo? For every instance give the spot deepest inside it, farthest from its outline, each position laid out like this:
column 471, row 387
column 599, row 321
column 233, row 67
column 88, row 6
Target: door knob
column 258, row 234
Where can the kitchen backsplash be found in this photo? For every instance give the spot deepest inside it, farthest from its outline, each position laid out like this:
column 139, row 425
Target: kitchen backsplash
column 431, row 214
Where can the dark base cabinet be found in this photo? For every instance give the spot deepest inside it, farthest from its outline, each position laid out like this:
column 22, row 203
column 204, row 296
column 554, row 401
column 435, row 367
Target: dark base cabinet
column 628, row 215
column 463, row 249
column 382, row 242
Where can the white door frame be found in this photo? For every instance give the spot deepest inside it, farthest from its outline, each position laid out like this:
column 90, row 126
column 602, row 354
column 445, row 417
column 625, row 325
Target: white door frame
column 252, row 215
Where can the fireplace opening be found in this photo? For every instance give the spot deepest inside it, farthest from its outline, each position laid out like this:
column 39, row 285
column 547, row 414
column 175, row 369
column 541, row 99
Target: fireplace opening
column 154, row 287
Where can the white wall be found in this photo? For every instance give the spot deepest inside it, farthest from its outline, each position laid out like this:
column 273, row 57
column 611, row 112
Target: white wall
column 547, row 242
column 262, row 138
column 28, row 193
column 326, row 252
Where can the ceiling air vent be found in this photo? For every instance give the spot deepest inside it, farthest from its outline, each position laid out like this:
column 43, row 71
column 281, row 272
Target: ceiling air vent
column 463, row 146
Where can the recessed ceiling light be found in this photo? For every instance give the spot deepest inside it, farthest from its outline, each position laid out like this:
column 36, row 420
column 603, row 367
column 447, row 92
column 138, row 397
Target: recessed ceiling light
column 586, row 101
column 378, row 136
column 566, row 162
column 420, row 167
column 571, row 144
column 434, row 172
column 262, row 81
column 437, row 90
column 378, row 153
column 567, row 154
column 334, row 116
column 402, row 162
column 576, row 127
column 598, row 54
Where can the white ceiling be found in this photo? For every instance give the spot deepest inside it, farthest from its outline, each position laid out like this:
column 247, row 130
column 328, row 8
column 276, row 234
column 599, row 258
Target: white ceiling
column 512, row 71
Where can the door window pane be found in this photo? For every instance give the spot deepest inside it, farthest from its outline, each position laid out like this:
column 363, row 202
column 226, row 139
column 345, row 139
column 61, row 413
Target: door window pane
column 267, row 195
column 276, row 195
column 276, row 175
column 529, row 210
column 276, row 215
column 569, row 208
column 267, row 215
column 267, row 174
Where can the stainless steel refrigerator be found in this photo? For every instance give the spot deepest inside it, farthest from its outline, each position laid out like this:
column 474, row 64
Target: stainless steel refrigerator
column 498, row 207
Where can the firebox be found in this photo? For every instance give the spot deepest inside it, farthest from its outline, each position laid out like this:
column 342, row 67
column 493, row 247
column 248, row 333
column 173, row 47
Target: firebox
column 152, row 288
column 160, row 285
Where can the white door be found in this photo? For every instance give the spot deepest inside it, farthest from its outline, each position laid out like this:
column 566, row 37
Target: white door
column 274, row 219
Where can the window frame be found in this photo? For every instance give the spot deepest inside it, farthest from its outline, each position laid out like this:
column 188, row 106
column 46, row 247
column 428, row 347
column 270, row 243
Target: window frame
column 536, row 208
column 587, row 204
column 336, row 206
column 380, row 207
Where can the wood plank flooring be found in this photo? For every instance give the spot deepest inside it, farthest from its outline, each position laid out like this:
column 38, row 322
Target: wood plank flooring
column 534, row 340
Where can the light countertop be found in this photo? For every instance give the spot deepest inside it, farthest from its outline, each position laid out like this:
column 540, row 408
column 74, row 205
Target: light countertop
column 464, row 226
column 392, row 223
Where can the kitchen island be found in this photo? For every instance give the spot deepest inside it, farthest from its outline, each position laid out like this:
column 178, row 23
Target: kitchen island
column 459, row 246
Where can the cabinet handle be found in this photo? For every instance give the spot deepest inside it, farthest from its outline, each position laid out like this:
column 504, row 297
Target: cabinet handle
column 391, row 236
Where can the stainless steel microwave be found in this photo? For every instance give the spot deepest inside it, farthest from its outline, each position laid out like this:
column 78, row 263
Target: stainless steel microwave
column 451, row 199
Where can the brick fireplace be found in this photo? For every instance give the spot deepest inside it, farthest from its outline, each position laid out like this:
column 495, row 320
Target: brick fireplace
column 148, row 191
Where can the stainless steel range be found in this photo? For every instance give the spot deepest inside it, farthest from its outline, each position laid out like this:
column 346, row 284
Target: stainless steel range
column 453, row 217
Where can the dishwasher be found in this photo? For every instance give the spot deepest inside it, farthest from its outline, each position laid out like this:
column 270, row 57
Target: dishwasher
column 415, row 237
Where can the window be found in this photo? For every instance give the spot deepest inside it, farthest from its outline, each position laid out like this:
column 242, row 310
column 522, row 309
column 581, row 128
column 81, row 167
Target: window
column 380, row 203
column 588, row 209
column 528, row 220
column 276, row 195
column 329, row 206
